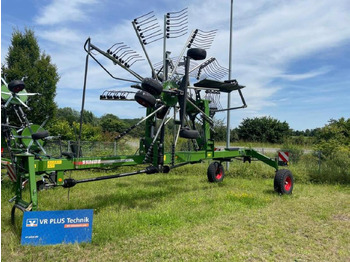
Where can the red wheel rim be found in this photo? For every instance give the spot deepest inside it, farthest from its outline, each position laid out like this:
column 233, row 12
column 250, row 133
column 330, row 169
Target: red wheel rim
column 288, row 183
column 219, row 173
column 142, row 102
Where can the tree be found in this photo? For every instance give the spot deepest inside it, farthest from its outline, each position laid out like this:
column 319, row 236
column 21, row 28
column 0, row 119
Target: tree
column 64, row 129
column 71, row 115
column 24, row 59
column 111, row 123
column 67, row 114
column 334, row 137
column 219, row 133
column 263, row 129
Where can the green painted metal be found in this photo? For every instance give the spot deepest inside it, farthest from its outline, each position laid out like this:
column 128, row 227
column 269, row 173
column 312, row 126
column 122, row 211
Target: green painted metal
column 36, row 167
column 271, row 162
column 5, row 95
column 26, row 136
column 31, row 168
column 168, row 98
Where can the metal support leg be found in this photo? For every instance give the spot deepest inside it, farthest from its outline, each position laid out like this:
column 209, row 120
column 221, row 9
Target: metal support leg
column 32, row 183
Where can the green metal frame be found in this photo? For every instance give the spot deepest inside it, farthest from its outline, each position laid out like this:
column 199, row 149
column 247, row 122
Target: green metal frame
column 33, row 168
column 151, row 149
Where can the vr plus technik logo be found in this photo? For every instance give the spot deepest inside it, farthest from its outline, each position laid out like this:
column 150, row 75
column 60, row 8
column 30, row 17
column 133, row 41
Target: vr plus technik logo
column 32, row 222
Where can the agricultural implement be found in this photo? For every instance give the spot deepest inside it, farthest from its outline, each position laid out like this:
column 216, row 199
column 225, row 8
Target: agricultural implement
column 168, row 97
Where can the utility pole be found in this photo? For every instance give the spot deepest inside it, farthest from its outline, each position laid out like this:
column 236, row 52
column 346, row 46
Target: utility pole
column 229, row 77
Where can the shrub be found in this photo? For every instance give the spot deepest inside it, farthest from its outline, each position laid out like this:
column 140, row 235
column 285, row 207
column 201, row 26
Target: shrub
column 295, row 152
column 333, row 170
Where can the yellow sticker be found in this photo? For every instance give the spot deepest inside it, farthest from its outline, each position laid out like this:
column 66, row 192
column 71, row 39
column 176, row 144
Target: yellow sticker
column 53, row 163
column 164, row 157
column 209, row 155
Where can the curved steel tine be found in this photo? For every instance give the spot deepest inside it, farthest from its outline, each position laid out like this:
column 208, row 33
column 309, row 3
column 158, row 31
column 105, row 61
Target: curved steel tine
column 152, row 34
column 208, row 32
column 109, row 49
column 177, row 35
column 147, row 22
column 176, row 12
column 171, row 27
column 177, row 18
column 155, row 40
column 201, row 46
column 224, row 69
column 149, row 28
column 136, row 61
column 177, row 32
column 126, row 53
column 216, row 72
column 132, row 57
column 179, row 27
column 119, row 48
column 210, row 72
column 181, row 12
column 203, row 39
column 143, row 15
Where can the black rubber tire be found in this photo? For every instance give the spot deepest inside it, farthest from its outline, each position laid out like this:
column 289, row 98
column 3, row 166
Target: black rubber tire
column 215, row 172
column 16, row 86
column 40, row 135
column 188, row 133
column 161, row 114
column 152, row 86
column 283, row 182
column 197, row 53
column 40, row 185
column 145, row 99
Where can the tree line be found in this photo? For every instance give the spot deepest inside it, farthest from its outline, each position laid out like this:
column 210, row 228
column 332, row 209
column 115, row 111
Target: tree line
column 105, row 128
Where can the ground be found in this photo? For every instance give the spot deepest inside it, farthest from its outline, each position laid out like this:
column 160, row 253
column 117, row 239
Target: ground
column 181, row 217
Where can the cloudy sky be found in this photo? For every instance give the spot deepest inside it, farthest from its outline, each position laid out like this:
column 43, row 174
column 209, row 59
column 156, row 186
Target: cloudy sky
column 292, row 56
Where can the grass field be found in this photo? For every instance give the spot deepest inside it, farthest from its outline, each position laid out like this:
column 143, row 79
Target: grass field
column 181, row 217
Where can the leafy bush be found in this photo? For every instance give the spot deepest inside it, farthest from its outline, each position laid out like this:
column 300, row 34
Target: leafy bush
column 333, row 170
column 334, row 137
column 263, row 129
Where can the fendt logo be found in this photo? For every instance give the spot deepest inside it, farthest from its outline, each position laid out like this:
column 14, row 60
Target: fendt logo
column 32, row 222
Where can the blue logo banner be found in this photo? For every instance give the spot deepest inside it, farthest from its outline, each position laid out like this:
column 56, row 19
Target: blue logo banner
column 57, row 227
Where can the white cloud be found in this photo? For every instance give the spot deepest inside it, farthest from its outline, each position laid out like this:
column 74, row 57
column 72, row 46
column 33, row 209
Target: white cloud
column 62, row 36
column 269, row 36
column 60, row 11
column 303, row 76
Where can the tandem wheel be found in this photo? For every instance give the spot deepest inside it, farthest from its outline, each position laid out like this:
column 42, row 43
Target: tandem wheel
column 284, row 182
column 215, row 172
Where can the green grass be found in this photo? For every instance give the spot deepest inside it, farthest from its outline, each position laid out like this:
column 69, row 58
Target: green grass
column 181, row 217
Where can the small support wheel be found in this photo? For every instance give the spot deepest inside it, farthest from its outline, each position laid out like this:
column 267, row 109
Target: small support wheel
column 152, row 86
column 188, row 133
column 16, row 86
column 197, row 53
column 284, row 182
column 161, row 114
column 215, row 172
column 145, row 99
